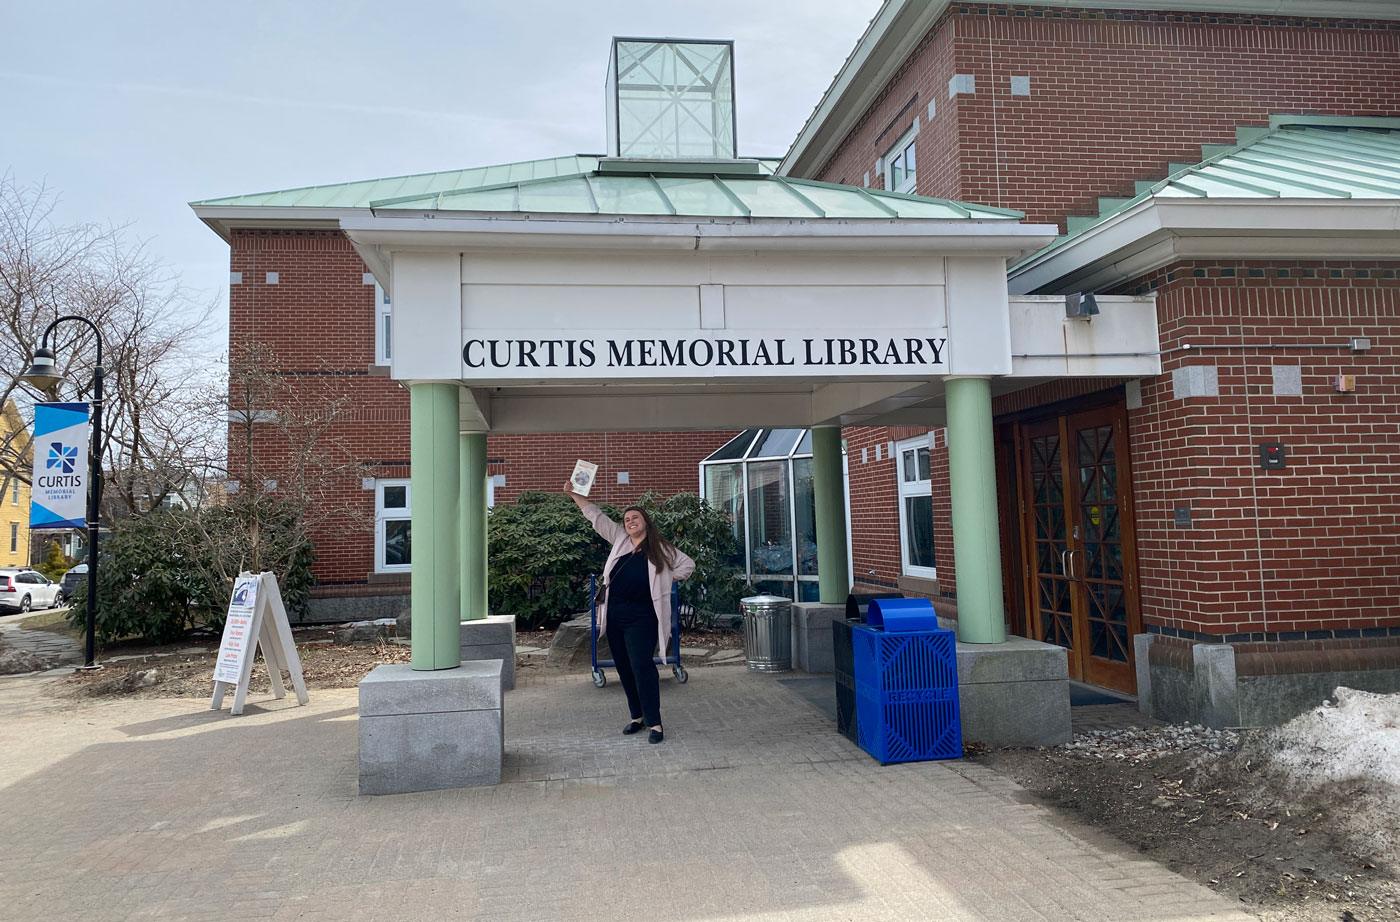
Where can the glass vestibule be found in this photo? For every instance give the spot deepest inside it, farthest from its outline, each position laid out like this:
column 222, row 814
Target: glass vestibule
column 763, row 479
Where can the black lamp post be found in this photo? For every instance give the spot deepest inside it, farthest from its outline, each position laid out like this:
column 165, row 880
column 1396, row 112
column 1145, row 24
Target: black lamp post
column 43, row 373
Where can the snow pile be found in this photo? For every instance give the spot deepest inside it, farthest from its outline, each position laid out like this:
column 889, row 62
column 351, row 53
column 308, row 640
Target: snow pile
column 1357, row 738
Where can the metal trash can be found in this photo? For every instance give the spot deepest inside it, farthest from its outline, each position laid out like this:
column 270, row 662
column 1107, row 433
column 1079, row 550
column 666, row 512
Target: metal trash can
column 767, row 633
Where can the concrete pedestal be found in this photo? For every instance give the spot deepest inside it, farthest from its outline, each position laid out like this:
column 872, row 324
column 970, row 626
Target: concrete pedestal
column 492, row 637
column 1014, row 693
column 811, row 636
column 430, row 730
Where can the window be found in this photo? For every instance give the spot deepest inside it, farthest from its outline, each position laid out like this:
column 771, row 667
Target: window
column 915, row 508
column 14, row 491
column 393, row 526
column 14, row 537
column 901, row 170
column 763, row 480
column 383, row 329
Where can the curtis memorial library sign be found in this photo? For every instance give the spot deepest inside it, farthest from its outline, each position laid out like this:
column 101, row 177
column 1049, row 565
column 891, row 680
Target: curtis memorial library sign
column 708, row 353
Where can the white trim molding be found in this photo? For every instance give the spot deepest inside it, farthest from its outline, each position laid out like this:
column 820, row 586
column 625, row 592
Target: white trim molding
column 914, row 487
column 1159, row 231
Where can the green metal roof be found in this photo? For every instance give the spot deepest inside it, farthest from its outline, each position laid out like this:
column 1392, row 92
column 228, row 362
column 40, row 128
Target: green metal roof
column 361, row 194
column 700, row 195
column 586, row 184
column 1297, row 157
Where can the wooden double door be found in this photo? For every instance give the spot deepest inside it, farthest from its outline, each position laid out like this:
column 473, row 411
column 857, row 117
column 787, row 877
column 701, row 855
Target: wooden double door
column 1073, row 540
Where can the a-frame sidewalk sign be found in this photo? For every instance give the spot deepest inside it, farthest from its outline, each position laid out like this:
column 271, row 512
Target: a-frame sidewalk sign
column 256, row 619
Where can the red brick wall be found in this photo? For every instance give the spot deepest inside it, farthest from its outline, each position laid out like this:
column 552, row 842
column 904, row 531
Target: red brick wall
column 1315, row 546
column 922, row 79
column 1114, row 97
column 874, row 508
column 662, row 462
column 319, row 320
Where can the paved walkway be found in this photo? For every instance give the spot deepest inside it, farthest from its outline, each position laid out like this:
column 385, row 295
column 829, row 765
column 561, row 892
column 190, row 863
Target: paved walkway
column 753, row 809
column 59, row 647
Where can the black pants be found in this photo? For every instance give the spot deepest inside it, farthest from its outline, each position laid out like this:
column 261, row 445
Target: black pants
column 633, row 642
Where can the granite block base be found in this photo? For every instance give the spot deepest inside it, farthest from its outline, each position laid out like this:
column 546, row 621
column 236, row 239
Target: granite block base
column 1221, row 685
column 428, row 731
column 492, row 637
column 1014, row 693
column 811, row 636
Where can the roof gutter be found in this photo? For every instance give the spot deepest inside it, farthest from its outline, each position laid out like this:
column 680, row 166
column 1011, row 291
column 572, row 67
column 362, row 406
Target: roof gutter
column 998, row 237
column 1159, row 231
column 223, row 219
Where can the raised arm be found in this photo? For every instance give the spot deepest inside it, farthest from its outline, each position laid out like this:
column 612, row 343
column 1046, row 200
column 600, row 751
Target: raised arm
column 606, row 528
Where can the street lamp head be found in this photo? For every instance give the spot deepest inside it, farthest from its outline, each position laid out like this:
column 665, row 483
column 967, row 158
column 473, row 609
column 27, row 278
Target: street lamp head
column 43, row 372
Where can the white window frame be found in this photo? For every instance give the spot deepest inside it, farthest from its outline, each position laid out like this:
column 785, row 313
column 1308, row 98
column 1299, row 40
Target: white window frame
column 383, row 515
column 383, row 329
column 896, row 154
column 907, row 489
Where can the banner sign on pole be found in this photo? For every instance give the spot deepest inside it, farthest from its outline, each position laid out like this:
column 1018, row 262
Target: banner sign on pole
column 257, row 619
column 60, row 484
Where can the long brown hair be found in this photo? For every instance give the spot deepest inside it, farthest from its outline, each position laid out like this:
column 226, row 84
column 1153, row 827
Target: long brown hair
column 660, row 552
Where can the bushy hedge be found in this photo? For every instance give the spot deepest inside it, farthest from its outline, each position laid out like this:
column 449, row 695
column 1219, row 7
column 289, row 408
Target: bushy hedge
column 148, row 585
column 159, row 576
column 542, row 551
column 707, row 535
column 54, row 564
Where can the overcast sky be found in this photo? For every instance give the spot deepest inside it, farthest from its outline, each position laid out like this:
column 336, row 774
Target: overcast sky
column 131, row 110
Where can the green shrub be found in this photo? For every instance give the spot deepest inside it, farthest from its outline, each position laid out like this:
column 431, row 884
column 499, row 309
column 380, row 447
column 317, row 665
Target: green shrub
column 148, row 584
column 706, row 534
column 54, row 564
column 283, row 548
column 163, row 575
column 541, row 552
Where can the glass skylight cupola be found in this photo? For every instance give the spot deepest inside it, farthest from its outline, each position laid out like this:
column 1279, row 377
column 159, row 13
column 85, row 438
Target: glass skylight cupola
column 671, row 99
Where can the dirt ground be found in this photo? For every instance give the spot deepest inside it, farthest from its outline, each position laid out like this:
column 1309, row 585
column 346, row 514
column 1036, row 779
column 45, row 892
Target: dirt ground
column 1238, row 829
column 157, row 672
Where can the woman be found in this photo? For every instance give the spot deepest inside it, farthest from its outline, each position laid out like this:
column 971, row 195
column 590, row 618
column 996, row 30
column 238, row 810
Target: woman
column 635, row 613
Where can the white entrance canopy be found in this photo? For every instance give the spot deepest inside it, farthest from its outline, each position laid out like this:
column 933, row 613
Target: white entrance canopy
column 834, row 308
column 609, row 294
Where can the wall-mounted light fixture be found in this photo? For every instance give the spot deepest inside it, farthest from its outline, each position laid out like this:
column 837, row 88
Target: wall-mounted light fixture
column 1080, row 306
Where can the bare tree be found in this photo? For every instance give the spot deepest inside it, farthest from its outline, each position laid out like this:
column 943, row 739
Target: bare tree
column 157, row 435
column 290, row 471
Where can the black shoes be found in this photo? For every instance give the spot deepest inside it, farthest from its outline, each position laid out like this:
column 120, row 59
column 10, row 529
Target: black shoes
column 636, row 726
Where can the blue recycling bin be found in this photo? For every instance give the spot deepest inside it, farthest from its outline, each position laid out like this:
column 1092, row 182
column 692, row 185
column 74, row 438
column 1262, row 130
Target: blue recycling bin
column 906, row 683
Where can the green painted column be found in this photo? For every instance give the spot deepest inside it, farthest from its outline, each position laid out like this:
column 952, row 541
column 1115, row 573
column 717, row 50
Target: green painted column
column 437, row 590
column 829, row 489
column 976, row 539
column 473, row 527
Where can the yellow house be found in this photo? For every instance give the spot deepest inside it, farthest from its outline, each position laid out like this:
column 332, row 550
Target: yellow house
column 14, row 503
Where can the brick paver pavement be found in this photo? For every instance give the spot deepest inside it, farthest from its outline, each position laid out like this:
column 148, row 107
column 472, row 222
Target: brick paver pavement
column 753, row 809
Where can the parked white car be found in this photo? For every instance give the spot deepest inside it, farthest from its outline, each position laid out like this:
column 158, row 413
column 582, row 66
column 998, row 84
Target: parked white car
column 22, row 590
